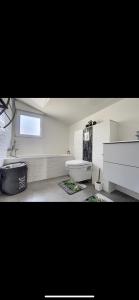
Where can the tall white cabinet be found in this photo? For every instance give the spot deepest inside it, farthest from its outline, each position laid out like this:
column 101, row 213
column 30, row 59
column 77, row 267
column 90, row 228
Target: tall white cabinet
column 103, row 132
column 78, row 144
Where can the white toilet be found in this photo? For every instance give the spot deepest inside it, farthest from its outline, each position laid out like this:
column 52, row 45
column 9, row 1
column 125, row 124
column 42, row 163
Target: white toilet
column 79, row 170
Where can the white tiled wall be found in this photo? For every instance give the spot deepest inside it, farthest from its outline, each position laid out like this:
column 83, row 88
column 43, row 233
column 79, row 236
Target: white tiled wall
column 5, row 139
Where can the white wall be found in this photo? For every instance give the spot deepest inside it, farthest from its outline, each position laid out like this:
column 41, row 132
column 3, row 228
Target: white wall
column 54, row 140
column 5, row 139
column 78, row 145
column 125, row 112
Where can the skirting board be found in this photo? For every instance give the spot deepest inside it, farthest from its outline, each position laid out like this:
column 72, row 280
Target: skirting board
column 126, row 191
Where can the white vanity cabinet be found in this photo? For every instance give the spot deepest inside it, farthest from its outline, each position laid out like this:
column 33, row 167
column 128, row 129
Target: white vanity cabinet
column 121, row 164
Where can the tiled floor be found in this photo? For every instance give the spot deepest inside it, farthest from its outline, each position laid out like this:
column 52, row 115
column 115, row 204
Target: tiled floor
column 49, row 191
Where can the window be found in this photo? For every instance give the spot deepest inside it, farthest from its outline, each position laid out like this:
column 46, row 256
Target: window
column 28, row 124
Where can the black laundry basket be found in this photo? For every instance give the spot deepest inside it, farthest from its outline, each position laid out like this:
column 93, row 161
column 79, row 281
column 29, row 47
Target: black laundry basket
column 13, row 178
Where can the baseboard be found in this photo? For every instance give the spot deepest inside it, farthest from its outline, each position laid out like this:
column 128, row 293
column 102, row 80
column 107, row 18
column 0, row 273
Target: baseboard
column 126, row 191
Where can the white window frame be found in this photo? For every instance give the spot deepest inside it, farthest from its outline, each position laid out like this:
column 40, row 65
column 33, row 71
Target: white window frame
column 29, row 114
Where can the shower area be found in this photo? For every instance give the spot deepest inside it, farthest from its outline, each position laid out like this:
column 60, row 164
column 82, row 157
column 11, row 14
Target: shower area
column 83, row 143
column 87, row 143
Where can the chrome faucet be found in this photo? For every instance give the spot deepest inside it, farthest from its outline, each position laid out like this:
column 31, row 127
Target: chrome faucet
column 13, row 148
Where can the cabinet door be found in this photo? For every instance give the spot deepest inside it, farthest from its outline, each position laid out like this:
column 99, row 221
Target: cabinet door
column 78, row 144
column 114, row 131
column 122, row 153
column 125, row 176
column 101, row 134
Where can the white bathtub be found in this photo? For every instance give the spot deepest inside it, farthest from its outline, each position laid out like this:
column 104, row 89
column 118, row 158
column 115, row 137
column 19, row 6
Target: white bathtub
column 32, row 156
column 42, row 166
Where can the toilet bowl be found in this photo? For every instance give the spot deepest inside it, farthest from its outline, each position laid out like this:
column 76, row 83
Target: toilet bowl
column 79, row 170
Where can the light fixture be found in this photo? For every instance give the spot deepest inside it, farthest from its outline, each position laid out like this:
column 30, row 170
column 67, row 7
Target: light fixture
column 7, row 112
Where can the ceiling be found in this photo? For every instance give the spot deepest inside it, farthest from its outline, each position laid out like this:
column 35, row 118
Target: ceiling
column 69, row 110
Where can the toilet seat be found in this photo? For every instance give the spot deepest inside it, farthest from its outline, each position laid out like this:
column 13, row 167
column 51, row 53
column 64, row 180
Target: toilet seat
column 78, row 164
column 79, row 170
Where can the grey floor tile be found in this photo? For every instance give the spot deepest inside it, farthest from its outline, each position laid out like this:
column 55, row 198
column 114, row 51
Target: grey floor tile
column 50, row 191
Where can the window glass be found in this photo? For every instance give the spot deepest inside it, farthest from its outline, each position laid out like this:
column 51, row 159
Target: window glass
column 30, row 125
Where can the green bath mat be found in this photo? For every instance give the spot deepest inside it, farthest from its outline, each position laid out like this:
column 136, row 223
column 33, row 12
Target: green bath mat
column 71, row 187
column 94, row 199
column 98, row 198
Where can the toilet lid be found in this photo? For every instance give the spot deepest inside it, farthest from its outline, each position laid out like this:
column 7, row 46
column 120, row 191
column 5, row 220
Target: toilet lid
column 78, row 163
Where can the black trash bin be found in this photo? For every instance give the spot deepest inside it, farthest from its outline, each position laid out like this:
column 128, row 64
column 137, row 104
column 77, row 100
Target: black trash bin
column 13, row 178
